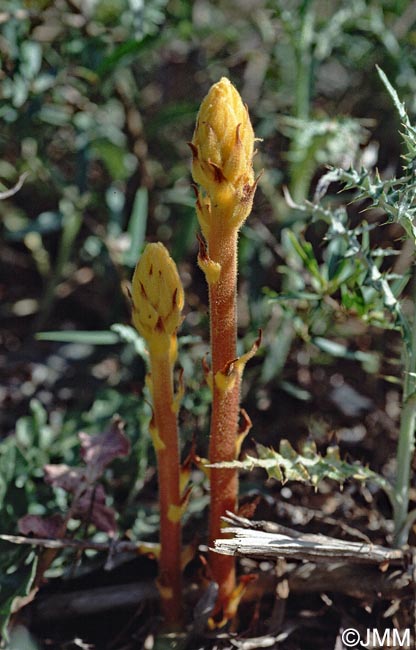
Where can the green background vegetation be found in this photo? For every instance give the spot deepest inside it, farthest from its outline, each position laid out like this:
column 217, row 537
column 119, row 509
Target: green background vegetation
column 97, row 103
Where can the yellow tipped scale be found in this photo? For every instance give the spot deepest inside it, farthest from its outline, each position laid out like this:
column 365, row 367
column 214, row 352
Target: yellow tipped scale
column 222, row 148
column 158, row 299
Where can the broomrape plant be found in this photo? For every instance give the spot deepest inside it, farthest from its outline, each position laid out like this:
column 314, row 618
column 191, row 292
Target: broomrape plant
column 222, row 149
column 157, row 304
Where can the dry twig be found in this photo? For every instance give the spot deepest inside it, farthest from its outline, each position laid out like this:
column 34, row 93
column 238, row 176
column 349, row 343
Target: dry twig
column 268, row 540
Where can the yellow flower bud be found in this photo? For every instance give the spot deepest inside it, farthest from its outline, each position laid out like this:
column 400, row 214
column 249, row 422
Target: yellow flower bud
column 158, row 299
column 222, row 148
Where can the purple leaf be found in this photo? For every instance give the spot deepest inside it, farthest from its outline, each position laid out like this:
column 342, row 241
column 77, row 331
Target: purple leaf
column 66, row 477
column 100, row 450
column 39, row 526
column 91, row 508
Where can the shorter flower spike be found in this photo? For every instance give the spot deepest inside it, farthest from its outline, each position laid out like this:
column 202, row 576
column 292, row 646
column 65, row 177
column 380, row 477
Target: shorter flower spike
column 158, row 299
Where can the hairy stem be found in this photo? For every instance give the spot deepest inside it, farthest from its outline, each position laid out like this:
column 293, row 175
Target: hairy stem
column 170, row 579
column 225, row 406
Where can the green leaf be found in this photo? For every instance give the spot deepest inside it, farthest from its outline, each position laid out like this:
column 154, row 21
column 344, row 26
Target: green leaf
column 7, row 465
column 103, row 337
column 113, row 156
column 353, row 300
column 295, row 391
column 296, row 295
column 172, row 114
column 341, row 351
column 14, row 584
column 31, row 61
column 305, row 251
column 137, row 227
column 126, row 53
column 119, row 333
column 129, row 335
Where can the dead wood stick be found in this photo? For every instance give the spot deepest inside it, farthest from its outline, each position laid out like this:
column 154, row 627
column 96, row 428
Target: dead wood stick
column 92, row 601
column 250, row 539
column 116, row 546
column 352, row 580
column 259, row 544
column 338, row 566
column 356, row 581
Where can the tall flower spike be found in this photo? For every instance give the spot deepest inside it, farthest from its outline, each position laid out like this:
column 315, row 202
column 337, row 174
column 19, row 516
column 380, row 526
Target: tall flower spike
column 158, row 299
column 222, row 148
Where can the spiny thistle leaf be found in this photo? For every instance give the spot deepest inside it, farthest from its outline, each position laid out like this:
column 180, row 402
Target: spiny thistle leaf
column 395, row 196
column 308, row 466
column 355, row 240
column 393, row 94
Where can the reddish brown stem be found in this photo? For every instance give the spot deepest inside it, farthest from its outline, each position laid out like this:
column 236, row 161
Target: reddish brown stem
column 225, row 405
column 170, row 574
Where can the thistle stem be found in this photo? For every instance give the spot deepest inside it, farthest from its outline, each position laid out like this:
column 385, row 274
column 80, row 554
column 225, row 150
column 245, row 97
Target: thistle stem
column 170, row 578
column 406, row 443
column 225, row 407
column 405, row 452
